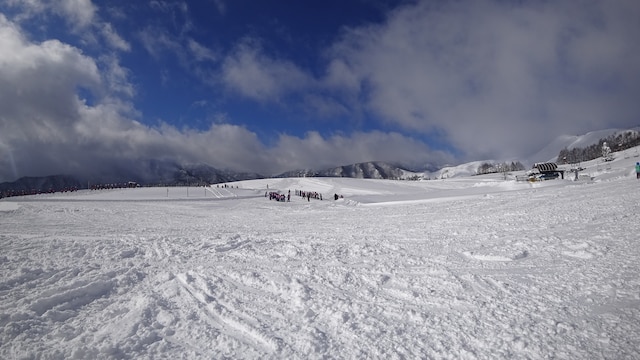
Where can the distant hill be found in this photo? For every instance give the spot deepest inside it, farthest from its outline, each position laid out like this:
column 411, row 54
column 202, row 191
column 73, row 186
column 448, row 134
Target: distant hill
column 169, row 174
column 29, row 185
column 165, row 173
column 149, row 174
column 365, row 170
column 202, row 174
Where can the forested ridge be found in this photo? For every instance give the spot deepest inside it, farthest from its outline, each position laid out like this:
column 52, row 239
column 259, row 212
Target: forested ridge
column 616, row 142
column 489, row 168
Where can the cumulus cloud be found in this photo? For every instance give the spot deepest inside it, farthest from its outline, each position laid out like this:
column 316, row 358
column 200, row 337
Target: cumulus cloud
column 498, row 79
column 40, row 81
column 255, row 75
column 80, row 13
column 77, row 13
column 48, row 127
column 81, row 17
column 492, row 78
column 41, row 109
column 316, row 151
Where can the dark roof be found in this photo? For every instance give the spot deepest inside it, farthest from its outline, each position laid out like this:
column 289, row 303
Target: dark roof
column 546, row 167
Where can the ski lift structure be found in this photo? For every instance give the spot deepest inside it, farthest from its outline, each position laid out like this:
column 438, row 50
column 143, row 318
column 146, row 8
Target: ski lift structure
column 546, row 171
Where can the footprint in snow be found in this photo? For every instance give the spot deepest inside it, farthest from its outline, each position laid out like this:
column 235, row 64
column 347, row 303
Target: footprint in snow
column 491, row 257
column 578, row 254
column 578, row 251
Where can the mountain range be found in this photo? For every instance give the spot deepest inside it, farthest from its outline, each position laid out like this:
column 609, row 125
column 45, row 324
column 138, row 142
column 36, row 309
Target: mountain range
column 162, row 173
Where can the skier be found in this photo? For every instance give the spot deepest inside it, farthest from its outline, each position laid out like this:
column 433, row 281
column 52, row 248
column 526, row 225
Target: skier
column 638, row 170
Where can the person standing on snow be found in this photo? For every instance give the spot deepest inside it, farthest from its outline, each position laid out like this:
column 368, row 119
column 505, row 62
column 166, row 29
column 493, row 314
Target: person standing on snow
column 638, row 170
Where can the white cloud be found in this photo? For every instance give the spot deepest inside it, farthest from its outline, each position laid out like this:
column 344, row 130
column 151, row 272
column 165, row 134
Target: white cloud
column 156, row 41
column 30, row 8
column 113, row 39
column 498, row 77
column 495, row 80
column 40, row 79
column 317, row 152
column 47, row 128
column 117, row 77
column 194, row 58
column 340, row 76
column 81, row 16
column 200, row 52
column 253, row 74
column 79, row 13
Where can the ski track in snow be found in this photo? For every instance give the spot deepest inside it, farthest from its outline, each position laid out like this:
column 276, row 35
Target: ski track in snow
column 533, row 272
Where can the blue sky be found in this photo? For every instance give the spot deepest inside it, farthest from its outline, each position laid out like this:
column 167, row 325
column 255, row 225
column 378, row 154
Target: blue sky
column 270, row 86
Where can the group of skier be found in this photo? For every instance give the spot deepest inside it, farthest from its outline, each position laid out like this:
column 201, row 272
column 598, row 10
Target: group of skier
column 274, row 195
column 309, row 194
column 277, row 196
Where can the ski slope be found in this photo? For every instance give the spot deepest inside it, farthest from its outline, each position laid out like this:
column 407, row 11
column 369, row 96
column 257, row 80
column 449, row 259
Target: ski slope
column 478, row 267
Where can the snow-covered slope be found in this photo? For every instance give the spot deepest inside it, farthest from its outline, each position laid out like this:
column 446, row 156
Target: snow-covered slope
column 462, row 170
column 550, row 152
column 462, row 268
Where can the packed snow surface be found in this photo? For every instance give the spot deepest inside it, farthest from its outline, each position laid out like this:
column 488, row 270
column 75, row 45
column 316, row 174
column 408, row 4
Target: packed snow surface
column 478, row 267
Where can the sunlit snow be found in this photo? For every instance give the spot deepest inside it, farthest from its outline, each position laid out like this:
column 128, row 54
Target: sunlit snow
column 468, row 267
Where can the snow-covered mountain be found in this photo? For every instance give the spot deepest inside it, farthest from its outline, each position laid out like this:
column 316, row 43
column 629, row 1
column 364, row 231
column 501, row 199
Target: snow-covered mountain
column 550, row 152
column 466, row 169
column 155, row 172
column 366, row 170
column 547, row 154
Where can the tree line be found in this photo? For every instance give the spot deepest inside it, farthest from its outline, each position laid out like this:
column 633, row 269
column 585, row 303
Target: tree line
column 489, row 168
column 617, row 142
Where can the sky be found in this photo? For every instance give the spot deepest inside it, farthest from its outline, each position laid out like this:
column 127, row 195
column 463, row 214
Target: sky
column 272, row 86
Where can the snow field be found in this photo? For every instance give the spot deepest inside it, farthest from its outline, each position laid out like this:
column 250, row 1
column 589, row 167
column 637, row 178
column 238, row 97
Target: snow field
column 474, row 268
